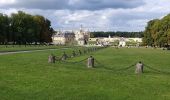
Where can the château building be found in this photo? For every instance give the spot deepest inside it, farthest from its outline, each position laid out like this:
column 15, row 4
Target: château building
column 79, row 37
column 63, row 37
column 82, row 36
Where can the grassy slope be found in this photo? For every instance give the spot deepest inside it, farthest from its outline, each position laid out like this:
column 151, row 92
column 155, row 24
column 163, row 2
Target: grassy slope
column 29, row 77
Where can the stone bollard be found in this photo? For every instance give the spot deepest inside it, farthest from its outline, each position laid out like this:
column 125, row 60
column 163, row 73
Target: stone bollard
column 51, row 59
column 64, row 56
column 90, row 62
column 139, row 68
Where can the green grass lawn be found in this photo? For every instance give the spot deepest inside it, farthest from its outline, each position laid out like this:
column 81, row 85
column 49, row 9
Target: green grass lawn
column 28, row 76
column 10, row 48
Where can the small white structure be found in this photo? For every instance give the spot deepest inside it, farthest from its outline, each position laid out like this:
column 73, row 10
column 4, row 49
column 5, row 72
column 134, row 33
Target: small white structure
column 122, row 42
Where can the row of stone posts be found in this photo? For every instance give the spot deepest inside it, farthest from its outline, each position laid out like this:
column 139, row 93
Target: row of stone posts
column 90, row 60
column 52, row 58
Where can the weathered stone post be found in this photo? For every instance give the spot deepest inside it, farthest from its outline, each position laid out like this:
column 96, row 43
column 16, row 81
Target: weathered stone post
column 51, row 58
column 139, row 68
column 90, row 62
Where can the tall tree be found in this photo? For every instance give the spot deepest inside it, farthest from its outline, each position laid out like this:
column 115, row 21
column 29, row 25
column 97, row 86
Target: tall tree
column 28, row 29
column 4, row 29
column 157, row 32
column 44, row 29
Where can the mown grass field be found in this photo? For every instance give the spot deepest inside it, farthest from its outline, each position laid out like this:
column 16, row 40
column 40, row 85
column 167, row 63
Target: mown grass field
column 10, row 48
column 28, row 76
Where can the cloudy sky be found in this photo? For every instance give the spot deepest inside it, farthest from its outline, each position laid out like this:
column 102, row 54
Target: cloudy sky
column 95, row 15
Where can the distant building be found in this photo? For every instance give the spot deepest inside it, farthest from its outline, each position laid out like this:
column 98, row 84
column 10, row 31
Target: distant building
column 80, row 37
column 120, row 41
column 62, row 38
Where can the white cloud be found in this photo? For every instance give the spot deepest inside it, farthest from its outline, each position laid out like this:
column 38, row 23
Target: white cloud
column 115, row 19
column 6, row 2
column 8, row 11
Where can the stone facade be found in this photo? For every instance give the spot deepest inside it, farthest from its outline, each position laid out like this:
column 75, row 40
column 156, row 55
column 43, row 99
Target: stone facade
column 66, row 37
column 62, row 38
column 122, row 42
column 82, row 37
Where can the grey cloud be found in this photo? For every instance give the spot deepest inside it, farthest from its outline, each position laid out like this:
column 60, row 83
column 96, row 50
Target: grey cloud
column 74, row 4
column 101, row 4
column 99, row 15
column 40, row 4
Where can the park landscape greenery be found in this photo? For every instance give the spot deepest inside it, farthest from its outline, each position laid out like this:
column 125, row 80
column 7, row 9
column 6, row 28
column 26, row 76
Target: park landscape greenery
column 22, row 28
column 16, row 48
column 29, row 76
column 157, row 32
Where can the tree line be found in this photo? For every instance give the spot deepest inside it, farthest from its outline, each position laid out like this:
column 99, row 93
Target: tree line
column 157, row 32
column 117, row 34
column 22, row 28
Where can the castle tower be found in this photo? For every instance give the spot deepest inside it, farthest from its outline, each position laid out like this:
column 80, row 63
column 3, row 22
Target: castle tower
column 82, row 36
